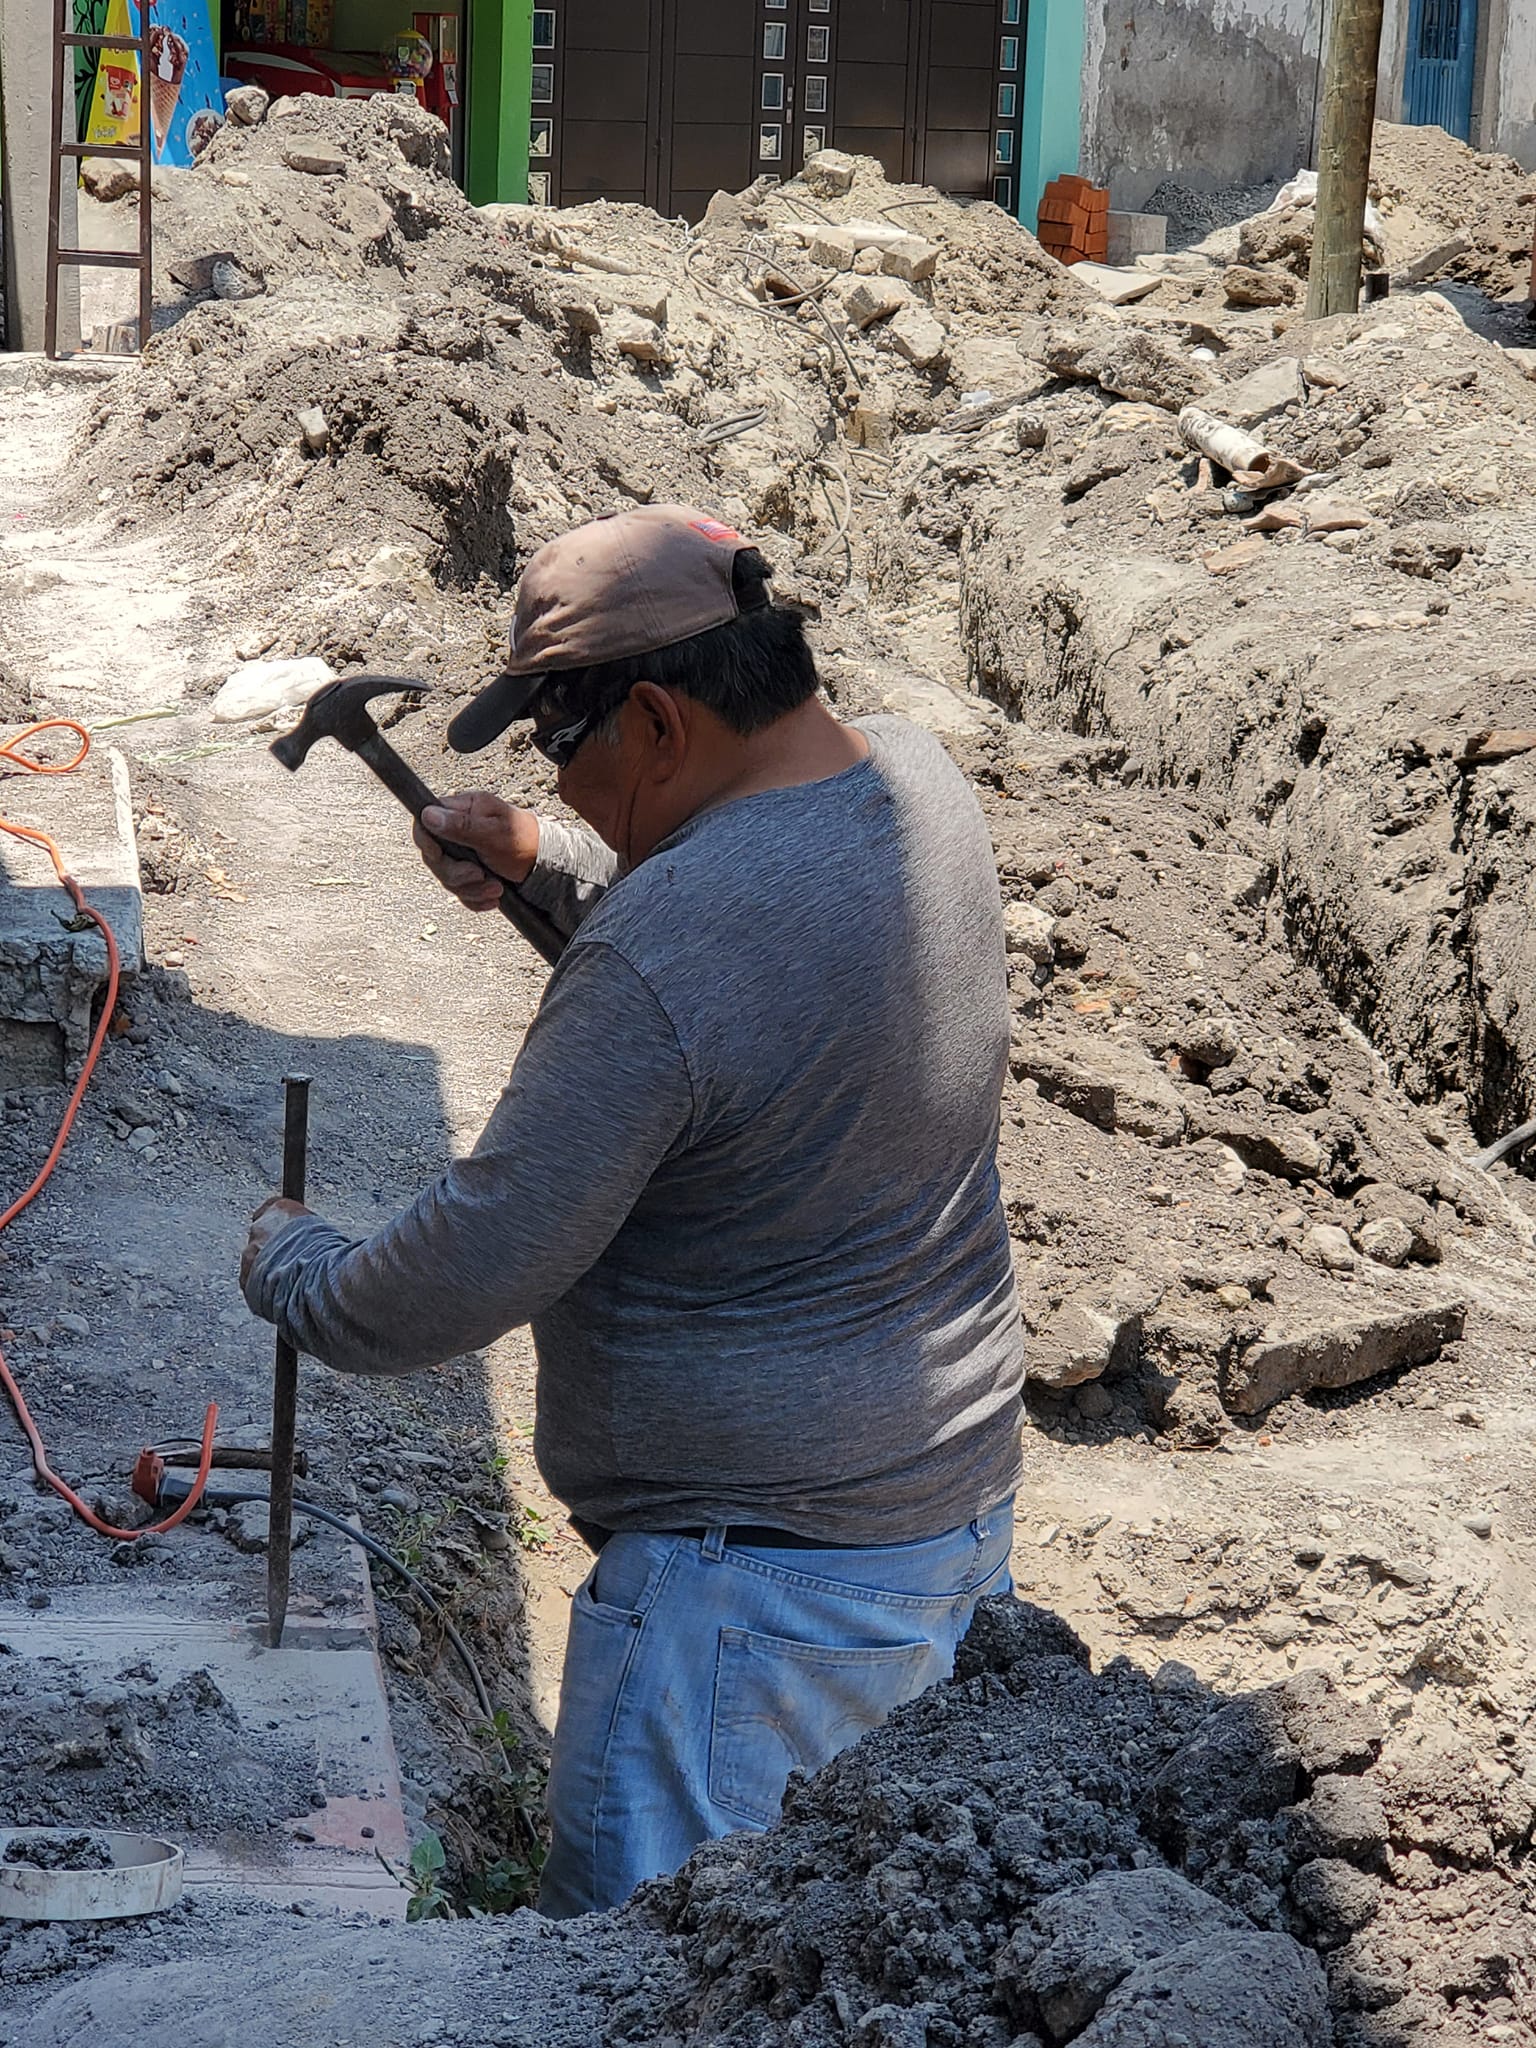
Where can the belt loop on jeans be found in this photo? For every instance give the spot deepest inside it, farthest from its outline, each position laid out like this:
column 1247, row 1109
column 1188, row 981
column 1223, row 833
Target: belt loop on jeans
column 713, row 1545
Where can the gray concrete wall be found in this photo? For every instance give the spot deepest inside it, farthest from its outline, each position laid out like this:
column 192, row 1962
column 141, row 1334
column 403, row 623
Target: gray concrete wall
column 1226, row 92
column 1211, row 92
column 26, row 101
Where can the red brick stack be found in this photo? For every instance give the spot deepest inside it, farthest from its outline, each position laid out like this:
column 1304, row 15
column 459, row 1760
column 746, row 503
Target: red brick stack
column 1074, row 221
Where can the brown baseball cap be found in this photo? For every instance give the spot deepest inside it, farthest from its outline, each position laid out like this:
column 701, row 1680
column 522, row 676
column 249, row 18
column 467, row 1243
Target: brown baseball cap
column 622, row 585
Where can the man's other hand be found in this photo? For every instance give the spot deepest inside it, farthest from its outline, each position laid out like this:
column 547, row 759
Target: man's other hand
column 269, row 1221
column 507, row 840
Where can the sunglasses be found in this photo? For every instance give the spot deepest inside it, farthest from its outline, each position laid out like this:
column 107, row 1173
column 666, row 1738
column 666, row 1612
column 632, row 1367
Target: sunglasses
column 559, row 743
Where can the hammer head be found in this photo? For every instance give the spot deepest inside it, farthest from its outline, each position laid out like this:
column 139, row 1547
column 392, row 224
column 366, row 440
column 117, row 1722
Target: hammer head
column 340, row 712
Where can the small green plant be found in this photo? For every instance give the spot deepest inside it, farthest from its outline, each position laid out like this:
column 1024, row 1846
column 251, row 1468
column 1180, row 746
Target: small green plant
column 423, row 1879
column 530, row 1527
column 505, row 1885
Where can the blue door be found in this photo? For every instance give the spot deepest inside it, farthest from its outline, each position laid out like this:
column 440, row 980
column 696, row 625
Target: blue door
column 1442, row 46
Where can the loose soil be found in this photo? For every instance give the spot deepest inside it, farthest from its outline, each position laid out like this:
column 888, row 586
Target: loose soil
column 1249, row 1758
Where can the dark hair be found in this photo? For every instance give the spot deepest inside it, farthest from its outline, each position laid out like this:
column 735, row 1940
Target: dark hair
column 749, row 672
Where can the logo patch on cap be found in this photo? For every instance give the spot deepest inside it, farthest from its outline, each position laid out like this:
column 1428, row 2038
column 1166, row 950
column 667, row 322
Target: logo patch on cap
column 713, row 530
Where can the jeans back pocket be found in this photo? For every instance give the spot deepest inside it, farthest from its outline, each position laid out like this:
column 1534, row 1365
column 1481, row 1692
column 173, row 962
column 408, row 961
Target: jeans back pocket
column 783, row 1706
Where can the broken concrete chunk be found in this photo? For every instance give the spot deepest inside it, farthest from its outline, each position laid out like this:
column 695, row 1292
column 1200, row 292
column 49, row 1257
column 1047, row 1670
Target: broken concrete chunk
column 246, row 105
column 910, row 257
column 651, row 302
column 250, row 1525
column 834, row 248
column 1332, row 515
column 312, row 424
column 1115, row 286
column 1262, row 393
column 873, row 299
column 641, row 340
column 579, row 314
column 829, row 173
column 258, row 688
column 1292, row 1360
column 866, row 263
column 917, row 337
column 1130, row 235
column 315, row 161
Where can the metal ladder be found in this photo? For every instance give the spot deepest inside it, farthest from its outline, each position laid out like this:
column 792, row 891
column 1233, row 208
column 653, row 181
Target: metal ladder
column 65, row 43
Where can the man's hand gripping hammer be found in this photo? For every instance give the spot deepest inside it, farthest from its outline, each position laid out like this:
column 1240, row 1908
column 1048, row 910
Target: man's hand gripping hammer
column 340, row 712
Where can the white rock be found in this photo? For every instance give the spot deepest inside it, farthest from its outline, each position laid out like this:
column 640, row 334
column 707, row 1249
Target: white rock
column 635, row 337
column 247, row 104
column 1388, row 1240
column 311, row 423
column 258, row 688
column 1326, row 1245
column 1027, row 930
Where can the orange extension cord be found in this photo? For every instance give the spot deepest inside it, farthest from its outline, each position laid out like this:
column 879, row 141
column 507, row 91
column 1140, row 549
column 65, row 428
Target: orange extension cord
column 9, row 752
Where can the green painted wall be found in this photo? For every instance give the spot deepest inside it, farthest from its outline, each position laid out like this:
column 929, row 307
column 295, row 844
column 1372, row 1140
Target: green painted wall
column 498, row 90
column 1053, row 73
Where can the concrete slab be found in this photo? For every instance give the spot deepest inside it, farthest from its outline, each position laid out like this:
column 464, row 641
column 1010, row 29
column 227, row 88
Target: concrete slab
column 324, row 1686
column 51, row 976
column 1119, row 286
column 31, row 370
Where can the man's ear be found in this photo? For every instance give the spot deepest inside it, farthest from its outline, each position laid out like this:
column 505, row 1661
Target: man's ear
column 666, row 728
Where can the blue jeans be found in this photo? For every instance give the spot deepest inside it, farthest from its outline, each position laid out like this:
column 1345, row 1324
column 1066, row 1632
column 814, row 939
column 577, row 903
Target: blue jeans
column 698, row 1676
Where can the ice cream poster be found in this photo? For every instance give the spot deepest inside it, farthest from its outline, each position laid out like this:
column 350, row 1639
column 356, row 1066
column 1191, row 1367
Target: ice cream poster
column 185, row 105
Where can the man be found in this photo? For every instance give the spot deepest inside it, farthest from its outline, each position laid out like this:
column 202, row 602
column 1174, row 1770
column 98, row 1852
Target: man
column 741, row 1182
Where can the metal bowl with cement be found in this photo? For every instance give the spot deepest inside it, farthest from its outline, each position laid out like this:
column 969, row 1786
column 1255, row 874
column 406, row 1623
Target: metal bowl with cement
column 136, row 1874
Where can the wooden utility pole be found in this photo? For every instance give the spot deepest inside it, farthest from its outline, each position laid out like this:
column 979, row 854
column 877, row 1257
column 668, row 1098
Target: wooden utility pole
column 1344, row 158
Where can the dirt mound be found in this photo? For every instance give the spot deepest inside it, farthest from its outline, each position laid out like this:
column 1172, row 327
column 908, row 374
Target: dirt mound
column 1474, row 214
column 1432, row 189
column 382, row 422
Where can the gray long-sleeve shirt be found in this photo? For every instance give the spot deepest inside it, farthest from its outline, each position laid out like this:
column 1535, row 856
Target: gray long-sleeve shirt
column 742, row 1180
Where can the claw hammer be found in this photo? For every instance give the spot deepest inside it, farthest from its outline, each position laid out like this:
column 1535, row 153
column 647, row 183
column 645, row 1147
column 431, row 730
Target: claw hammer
column 340, row 712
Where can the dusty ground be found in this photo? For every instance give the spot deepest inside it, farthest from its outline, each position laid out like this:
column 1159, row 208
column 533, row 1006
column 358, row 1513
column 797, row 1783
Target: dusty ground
column 1270, row 935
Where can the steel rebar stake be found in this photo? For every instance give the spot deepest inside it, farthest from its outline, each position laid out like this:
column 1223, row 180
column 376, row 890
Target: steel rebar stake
column 285, row 1377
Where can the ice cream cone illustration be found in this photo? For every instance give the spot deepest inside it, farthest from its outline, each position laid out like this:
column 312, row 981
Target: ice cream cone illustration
column 168, row 55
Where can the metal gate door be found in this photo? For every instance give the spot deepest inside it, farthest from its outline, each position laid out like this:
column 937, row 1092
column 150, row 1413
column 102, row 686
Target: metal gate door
column 1442, row 48
column 670, row 101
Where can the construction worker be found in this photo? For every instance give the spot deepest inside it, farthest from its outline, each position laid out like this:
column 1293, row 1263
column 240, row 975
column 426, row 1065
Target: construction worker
column 741, row 1182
